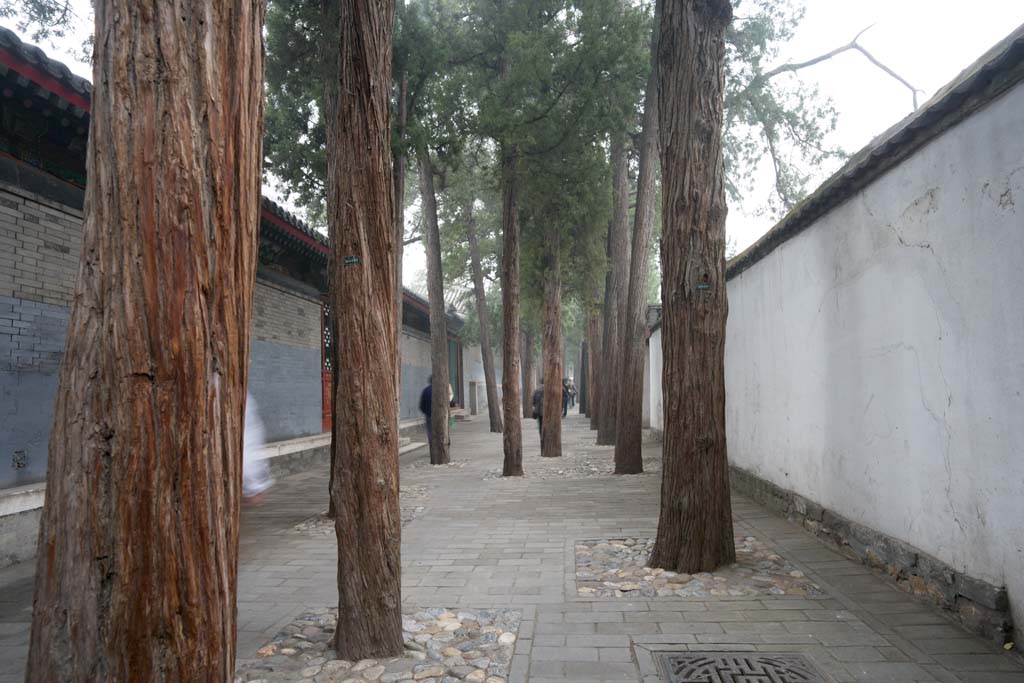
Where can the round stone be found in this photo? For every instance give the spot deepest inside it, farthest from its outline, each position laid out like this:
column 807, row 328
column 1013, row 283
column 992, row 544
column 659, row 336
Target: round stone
column 373, row 672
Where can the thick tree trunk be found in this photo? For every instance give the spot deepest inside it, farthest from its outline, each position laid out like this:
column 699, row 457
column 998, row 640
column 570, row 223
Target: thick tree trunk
column 615, row 294
column 695, row 527
column 399, row 163
column 493, row 403
column 629, row 432
column 583, row 385
column 362, row 231
column 438, row 317
column 596, row 347
column 551, row 436
column 512, row 440
column 136, row 573
column 528, row 373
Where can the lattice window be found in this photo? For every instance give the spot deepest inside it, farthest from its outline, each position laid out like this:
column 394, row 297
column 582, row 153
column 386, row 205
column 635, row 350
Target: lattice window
column 326, row 336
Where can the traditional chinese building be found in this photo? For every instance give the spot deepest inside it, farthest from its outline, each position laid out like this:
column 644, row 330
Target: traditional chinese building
column 44, row 123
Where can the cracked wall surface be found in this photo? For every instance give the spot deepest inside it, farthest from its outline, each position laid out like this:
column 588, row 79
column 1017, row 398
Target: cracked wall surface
column 875, row 360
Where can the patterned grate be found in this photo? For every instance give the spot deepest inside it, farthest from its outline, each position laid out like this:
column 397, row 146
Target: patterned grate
column 706, row 667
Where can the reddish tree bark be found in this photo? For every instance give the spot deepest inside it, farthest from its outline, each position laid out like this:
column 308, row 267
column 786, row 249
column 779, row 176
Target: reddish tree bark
column 484, row 317
column 512, row 437
column 695, row 526
column 551, row 435
column 615, row 294
column 583, row 386
column 596, row 348
column 138, row 544
column 629, row 432
column 362, row 229
column 399, row 163
column 528, row 374
column 438, row 317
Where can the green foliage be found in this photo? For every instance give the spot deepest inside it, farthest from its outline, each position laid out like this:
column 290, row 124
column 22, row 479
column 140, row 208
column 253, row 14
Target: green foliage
column 771, row 114
column 41, row 19
column 551, row 79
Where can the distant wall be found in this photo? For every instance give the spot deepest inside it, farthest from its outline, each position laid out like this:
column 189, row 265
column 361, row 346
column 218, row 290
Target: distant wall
column 285, row 361
column 474, row 383
column 654, row 370
column 647, row 390
column 415, row 354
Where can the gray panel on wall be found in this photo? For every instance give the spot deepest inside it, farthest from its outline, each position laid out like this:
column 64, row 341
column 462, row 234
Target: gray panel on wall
column 27, row 410
column 285, row 381
column 31, row 344
column 414, row 379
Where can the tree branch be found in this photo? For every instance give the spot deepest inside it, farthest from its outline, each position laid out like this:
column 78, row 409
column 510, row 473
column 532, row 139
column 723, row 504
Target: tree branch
column 792, row 67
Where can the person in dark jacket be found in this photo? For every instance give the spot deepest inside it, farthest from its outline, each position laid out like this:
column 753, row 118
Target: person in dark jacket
column 565, row 396
column 538, row 407
column 426, row 403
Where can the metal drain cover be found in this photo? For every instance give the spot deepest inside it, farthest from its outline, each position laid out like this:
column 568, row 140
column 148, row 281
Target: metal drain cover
column 746, row 667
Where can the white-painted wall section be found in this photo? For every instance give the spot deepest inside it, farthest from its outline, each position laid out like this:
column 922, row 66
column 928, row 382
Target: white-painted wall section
column 654, row 369
column 875, row 362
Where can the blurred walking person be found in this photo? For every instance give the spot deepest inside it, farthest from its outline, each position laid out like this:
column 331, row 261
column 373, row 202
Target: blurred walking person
column 256, row 479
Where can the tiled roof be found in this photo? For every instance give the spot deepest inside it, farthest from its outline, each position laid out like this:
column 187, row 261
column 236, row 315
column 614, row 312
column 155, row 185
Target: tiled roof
column 293, row 220
column 38, row 59
column 74, row 85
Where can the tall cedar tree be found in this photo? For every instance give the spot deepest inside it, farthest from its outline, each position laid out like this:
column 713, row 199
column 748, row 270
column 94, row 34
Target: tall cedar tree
column 528, row 373
column 596, row 347
column 512, row 437
column 583, row 383
column 551, row 434
column 615, row 293
column 136, row 578
column 361, row 222
column 695, row 525
column 628, row 434
column 470, row 215
column 438, row 320
column 399, row 163
column 594, row 359
column 484, row 318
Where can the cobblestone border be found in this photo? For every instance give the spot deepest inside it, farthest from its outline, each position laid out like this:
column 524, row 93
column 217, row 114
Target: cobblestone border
column 572, row 595
column 979, row 606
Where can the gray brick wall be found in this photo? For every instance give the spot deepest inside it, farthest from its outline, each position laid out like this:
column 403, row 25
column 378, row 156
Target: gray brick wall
column 285, row 317
column 40, row 243
column 285, row 382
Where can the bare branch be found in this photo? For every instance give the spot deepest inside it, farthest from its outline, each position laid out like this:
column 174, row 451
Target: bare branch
column 792, row 67
column 914, row 91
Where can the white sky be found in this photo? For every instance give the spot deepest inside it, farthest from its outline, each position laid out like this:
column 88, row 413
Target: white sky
column 927, row 42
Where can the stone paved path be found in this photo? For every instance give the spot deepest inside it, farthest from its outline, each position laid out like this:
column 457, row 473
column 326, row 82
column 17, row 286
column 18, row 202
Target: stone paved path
column 480, row 542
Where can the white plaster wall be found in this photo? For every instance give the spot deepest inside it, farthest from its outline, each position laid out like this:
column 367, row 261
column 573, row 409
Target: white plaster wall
column 473, row 372
column 654, row 371
column 647, row 389
column 875, row 362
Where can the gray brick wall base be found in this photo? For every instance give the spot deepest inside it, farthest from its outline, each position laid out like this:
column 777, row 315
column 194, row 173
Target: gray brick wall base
column 300, row 461
column 19, row 534
column 980, row 606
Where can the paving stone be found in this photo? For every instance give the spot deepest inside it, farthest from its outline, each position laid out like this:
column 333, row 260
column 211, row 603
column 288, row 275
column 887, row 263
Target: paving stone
column 482, row 543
